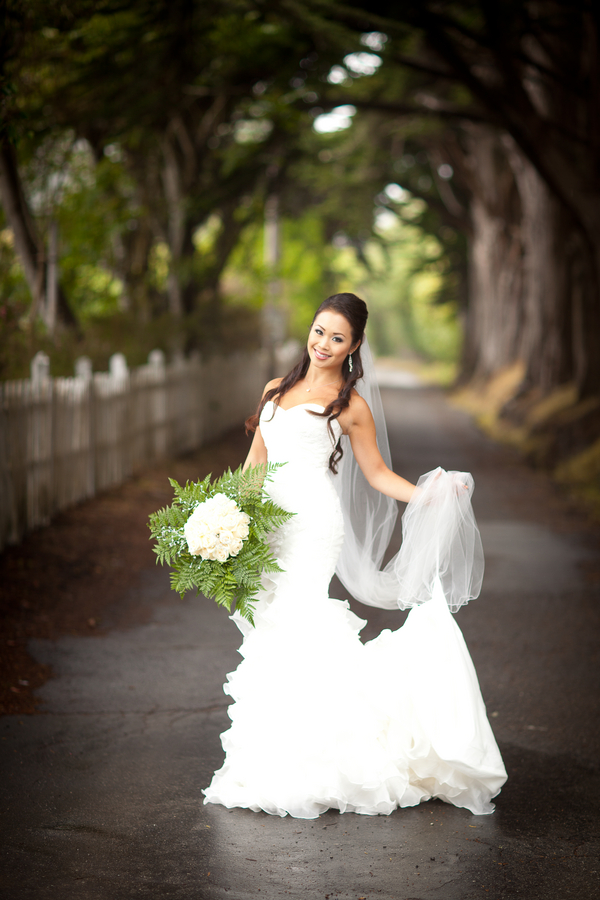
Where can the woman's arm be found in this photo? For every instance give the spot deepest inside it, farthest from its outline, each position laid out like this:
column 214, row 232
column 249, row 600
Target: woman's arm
column 357, row 422
column 258, row 452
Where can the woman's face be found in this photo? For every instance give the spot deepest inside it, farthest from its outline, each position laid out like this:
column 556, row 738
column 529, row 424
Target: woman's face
column 330, row 340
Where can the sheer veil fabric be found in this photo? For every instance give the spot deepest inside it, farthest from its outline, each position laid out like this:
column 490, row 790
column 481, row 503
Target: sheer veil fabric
column 440, row 538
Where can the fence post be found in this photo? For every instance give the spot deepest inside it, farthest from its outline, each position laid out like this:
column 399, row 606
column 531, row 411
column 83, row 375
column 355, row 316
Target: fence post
column 123, row 417
column 40, row 444
column 40, row 368
column 117, row 366
column 83, row 370
column 156, row 359
column 157, row 427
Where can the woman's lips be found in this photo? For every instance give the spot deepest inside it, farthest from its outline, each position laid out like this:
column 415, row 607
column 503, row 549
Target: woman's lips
column 320, row 355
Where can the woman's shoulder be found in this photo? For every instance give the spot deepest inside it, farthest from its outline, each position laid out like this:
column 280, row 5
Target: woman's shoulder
column 358, row 405
column 271, row 385
column 357, row 412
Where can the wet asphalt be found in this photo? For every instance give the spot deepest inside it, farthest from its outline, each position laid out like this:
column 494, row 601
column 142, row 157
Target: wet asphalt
column 101, row 793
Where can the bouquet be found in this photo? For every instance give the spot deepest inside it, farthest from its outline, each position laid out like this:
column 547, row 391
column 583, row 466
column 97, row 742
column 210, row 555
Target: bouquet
column 213, row 536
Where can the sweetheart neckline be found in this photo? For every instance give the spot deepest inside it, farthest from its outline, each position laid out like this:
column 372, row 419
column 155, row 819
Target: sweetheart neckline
column 297, row 406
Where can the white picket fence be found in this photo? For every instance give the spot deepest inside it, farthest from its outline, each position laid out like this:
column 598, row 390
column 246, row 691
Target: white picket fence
column 63, row 440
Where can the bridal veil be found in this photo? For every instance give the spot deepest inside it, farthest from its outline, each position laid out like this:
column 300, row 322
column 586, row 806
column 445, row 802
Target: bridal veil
column 440, row 538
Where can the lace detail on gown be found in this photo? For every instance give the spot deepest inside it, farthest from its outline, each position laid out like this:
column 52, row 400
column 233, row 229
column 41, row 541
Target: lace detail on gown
column 322, row 721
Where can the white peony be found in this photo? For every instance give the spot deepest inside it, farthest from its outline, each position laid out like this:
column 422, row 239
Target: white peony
column 216, row 529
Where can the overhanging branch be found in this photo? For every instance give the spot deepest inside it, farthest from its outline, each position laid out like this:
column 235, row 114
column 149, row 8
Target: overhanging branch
column 409, row 109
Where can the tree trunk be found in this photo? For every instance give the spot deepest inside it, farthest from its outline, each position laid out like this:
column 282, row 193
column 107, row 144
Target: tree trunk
column 495, row 315
column 586, row 269
column 546, row 343
column 531, row 282
column 176, row 226
column 28, row 246
column 19, row 219
column 51, row 307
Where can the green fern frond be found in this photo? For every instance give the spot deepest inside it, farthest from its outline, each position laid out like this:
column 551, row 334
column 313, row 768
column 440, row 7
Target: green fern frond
column 236, row 582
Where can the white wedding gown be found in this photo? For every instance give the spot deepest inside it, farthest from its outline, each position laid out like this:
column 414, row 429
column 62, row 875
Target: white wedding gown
column 321, row 720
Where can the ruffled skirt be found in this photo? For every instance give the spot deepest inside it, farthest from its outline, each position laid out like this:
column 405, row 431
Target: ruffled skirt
column 322, row 721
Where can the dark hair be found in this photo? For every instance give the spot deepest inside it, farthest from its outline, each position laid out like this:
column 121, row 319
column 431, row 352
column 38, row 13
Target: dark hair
column 354, row 310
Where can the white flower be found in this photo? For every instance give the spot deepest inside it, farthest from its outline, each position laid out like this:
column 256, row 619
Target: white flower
column 196, row 531
column 226, row 539
column 221, row 554
column 229, row 521
column 210, row 542
column 216, row 529
column 222, row 503
column 241, row 530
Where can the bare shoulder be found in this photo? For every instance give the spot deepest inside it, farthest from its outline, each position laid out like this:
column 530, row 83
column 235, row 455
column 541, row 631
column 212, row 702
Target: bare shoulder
column 274, row 383
column 359, row 408
column 357, row 413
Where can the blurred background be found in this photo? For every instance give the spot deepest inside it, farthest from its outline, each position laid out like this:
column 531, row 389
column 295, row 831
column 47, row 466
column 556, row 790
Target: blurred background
column 195, row 177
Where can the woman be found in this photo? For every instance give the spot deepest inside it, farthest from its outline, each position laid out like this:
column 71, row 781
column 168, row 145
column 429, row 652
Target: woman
column 320, row 720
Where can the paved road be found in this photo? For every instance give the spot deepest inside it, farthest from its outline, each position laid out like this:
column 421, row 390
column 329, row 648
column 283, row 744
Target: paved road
column 101, row 794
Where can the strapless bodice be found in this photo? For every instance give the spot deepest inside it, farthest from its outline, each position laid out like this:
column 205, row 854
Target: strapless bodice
column 296, row 437
column 303, row 486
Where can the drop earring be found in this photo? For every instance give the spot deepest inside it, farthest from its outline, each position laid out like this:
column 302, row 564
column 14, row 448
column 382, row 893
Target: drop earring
column 350, row 361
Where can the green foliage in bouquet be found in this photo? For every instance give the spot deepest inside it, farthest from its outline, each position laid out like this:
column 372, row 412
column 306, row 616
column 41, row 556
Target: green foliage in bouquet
column 237, row 579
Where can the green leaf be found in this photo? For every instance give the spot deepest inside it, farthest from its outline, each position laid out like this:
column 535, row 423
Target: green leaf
column 237, row 581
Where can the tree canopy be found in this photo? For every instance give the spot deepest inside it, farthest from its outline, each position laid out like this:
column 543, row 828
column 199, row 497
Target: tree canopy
column 167, row 125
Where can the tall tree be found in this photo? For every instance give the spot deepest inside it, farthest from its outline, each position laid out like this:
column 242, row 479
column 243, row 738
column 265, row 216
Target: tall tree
column 204, row 116
column 207, row 124
column 528, row 70
column 18, row 23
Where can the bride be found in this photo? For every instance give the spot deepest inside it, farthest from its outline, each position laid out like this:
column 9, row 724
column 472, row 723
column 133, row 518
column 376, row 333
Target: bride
column 320, row 720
